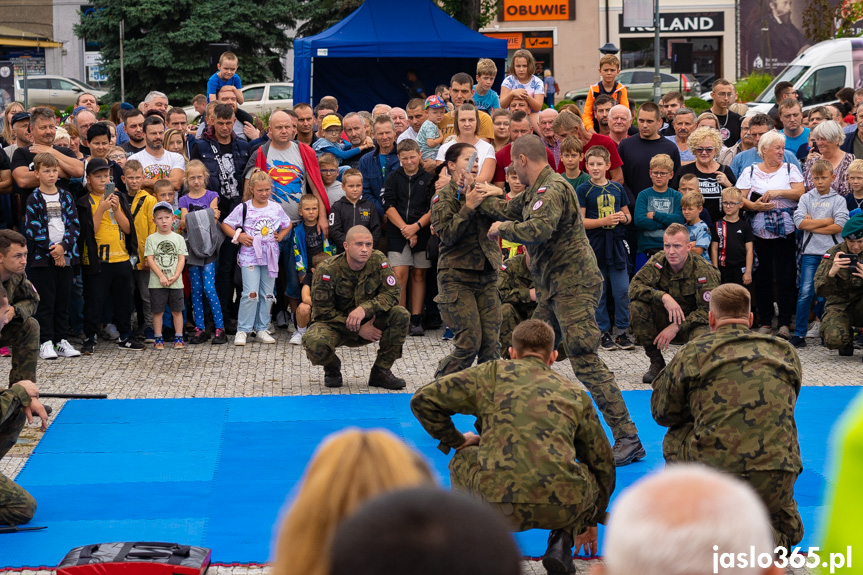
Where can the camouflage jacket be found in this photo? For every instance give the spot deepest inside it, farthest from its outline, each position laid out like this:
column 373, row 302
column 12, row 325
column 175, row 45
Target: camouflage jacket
column 337, row 290
column 841, row 289
column 540, row 435
column 10, row 399
column 22, row 296
column 515, row 282
column 690, row 287
column 546, row 219
column 738, row 389
column 463, row 233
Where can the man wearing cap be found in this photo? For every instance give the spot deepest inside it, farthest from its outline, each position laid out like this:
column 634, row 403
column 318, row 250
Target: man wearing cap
column 841, row 283
column 20, row 125
column 669, row 298
column 42, row 129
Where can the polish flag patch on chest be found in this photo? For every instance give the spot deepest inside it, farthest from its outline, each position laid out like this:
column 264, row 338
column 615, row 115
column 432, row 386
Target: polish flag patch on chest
column 325, row 277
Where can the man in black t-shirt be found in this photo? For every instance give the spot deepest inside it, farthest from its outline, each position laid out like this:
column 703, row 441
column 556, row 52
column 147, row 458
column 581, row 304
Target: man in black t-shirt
column 24, row 180
column 134, row 123
column 729, row 122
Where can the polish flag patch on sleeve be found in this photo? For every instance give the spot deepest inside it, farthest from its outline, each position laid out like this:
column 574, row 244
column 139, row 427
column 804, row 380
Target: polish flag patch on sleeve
column 541, row 190
column 435, row 199
column 325, row 277
column 385, row 265
column 657, row 265
column 827, row 256
column 502, row 268
column 702, row 280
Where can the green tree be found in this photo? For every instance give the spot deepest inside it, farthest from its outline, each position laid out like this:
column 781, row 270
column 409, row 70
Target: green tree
column 474, row 14
column 827, row 19
column 322, row 14
column 166, row 42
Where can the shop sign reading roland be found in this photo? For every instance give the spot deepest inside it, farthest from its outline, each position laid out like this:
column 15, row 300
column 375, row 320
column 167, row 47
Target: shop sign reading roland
column 525, row 10
column 680, row 22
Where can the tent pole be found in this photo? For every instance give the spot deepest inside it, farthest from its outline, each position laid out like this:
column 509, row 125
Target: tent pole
column 311, row 79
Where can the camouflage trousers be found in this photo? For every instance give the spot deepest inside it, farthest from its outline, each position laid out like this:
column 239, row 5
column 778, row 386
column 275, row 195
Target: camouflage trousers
column 22, row 339
column 322, row 338
column 648, row 319
column 836, row 323
column 464, row 470
column 469, row 304
column 776, row 488
column 16, row 505
column 572, row 314
column 510, row 316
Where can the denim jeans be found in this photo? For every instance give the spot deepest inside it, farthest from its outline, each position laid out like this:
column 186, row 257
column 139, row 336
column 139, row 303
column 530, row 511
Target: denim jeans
column 255, row 312
column 617, row 282
column 808, row 265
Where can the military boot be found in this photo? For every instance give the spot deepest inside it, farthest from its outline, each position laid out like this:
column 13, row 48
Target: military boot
column 333, row 373
column 381, row 377
column 657, row 363
column 627, row 450
column 558, row 556
column 846, row 351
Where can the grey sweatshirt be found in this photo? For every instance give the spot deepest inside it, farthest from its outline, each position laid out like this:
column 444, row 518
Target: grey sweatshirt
column 831, row 205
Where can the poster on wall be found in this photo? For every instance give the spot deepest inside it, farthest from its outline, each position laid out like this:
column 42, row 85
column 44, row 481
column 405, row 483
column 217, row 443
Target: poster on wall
column 771, row 34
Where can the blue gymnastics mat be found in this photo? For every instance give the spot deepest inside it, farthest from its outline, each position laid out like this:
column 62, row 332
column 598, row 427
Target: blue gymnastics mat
column 218, row 472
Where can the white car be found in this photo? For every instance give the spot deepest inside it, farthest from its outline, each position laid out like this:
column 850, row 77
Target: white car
column 54, row 91
column 259, row 99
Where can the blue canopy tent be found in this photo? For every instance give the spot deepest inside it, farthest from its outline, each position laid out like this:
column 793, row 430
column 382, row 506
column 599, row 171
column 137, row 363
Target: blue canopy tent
column 364, row 59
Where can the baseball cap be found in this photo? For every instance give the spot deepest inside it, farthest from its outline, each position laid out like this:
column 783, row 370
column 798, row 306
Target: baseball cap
column 19, row 117
column 434, row 102
column 164, row 205
column 96, row 164
column 126, row 106
column 331, row 120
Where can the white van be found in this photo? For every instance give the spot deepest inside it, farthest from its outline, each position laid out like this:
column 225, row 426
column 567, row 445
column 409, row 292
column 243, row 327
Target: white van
column 818, row 73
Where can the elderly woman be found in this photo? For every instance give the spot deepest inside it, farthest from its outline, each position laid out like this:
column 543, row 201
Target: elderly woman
column 816, row 116
column 828, row 136
column 705, row 144
column 771, row 190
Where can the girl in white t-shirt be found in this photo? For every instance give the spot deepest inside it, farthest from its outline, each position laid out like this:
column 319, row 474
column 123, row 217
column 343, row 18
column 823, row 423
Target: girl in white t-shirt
column 465, row 124
column 522, row 83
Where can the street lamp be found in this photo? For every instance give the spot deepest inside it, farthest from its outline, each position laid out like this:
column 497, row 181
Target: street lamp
column 609, row 48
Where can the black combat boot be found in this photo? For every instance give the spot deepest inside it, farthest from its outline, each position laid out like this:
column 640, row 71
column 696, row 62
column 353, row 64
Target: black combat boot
column 380, row 377
column 558, row 556
column 847, row 351
column 657, row 363
column 333, row 373
column 627, row 450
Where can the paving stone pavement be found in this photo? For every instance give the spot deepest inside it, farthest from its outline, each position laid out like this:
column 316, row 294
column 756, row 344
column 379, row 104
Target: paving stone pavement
column 260, row 370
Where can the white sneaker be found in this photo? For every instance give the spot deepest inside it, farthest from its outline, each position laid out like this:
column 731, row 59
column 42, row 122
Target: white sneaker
column 814, row 330
column 65, row 349
column 110, row 330
column 46, row 351
column 265, row 337
column 240, row 338
column 296, row 339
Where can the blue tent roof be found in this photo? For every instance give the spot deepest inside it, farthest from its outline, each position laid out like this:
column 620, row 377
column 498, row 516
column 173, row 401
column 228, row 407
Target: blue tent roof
column 391, row 29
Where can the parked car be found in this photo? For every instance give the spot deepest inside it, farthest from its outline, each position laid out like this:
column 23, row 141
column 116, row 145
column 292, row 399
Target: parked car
column 639, row 85
column 54, row 91
column 817, row 74
column 260, row 99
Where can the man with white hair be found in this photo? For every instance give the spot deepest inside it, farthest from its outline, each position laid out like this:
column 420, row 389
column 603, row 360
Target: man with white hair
column 546, row 133
column 380, row 109
column 156, row 101
column 688, row 520
column 400, row 121
column 619, row 123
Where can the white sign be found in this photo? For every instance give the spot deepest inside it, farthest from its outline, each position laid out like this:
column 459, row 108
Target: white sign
column 637, row 13
column 323, row 51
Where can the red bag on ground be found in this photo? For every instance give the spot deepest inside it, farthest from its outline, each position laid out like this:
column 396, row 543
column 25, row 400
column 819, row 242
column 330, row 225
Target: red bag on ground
column 135, row 558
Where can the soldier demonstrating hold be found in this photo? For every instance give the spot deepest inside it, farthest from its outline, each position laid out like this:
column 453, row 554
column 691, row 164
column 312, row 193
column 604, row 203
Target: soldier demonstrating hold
column 669, row 298
column 21, row 330
column 728, row 399
column 355, row 299
column 841, row 283
column 546, row 219
column 541, row 456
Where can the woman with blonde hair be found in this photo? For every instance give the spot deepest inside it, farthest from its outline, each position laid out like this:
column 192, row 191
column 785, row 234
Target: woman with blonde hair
column 12, row 109
column 175, row 141
column 349, row 468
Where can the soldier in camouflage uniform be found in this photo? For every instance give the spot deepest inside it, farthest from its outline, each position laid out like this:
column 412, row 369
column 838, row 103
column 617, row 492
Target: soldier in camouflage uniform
column 546, row 219
column 17, row 404
column 669, row 298
column 541, row 456
column 517, row 297
column 843, row 289
column 21, row 331
column 467, row 268
column 728, row 400
column 355, row 299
